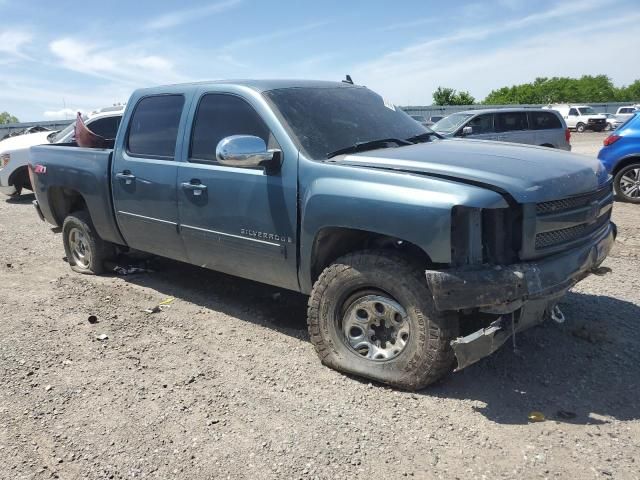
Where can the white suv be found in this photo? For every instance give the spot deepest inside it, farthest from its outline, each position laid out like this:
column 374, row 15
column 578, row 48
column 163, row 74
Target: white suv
column 14, row 151
column 625, row 113
column 580, row 117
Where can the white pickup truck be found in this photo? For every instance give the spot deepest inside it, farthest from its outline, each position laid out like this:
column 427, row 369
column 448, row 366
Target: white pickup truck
column 14, row 151
column 580, row 117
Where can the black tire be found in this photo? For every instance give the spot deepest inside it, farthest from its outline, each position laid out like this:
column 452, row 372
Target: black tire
column 580, row 127
column 96, row 250
column 617, row 187
column 426, row 356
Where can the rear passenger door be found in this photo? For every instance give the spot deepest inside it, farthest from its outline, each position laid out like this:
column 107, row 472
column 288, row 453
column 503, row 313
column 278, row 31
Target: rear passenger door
column 144, row 176
column 235, row 220
column 513, row 127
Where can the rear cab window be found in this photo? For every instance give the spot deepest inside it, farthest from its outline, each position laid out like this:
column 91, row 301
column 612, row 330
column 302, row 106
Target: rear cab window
column 153, row 128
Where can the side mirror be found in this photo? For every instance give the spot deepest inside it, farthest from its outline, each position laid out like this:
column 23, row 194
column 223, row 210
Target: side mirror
column 467, row 130
column 245, row 151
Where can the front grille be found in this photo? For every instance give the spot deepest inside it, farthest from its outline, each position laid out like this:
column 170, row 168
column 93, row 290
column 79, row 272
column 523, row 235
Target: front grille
column 555, row 237
column 572, row 202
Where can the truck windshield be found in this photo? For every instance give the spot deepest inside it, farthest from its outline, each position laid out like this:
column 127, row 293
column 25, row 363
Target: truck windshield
column 325, row 120
column 587, row 111
column 57, row 137
column 451, row 123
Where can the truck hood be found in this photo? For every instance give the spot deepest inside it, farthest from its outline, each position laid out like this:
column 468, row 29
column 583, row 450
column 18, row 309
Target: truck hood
column 23, row 141
column 527, row 173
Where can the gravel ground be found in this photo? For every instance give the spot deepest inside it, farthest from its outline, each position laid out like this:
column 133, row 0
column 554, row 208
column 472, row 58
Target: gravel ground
column 224, row 383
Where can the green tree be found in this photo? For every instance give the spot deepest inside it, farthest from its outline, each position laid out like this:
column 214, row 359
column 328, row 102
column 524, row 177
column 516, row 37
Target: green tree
column 630, row 93
column 448, row 96
column 6, row 117
column 586, row 89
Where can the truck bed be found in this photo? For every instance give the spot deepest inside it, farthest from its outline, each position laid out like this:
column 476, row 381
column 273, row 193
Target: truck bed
column 64, row 169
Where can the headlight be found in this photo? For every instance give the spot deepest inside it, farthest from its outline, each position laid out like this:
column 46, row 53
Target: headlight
column 4, row 159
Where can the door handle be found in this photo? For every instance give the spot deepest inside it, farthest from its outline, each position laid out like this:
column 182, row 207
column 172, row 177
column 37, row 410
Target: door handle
column 195, row 186
column 127, row 176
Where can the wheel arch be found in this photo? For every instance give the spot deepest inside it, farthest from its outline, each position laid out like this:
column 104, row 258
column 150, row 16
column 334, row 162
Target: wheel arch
column 20, row 174
column 331, row 243
column 64, row 201
column 625, row 161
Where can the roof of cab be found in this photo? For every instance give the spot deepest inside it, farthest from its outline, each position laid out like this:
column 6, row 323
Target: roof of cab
column 257, row 85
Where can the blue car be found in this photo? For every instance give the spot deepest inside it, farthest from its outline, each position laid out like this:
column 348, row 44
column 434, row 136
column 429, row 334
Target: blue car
column 621, row 157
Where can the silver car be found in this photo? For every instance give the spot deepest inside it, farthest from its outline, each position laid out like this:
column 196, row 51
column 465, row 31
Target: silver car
column 531, row 126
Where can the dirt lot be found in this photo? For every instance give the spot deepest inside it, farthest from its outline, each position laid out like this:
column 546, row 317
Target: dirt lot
column 224, row 383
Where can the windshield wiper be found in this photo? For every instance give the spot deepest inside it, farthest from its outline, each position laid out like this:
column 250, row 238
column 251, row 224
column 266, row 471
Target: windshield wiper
column 370, row 145
column 423, row 137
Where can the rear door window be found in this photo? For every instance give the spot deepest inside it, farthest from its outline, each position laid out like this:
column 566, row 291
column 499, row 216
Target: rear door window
column 153, row 129
column 573, row 112
column 481, row 124
column 511, row 121
column 543, row 121
column 220, row 116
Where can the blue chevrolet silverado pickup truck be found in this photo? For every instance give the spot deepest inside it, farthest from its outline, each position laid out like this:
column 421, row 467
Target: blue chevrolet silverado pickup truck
column 420, row 255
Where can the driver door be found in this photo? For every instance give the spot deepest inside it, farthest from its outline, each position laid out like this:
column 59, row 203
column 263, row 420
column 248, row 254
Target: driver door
column 236, row 220
column 482, row 126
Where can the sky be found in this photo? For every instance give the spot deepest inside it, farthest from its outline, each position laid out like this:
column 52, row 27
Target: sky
column 60, row 57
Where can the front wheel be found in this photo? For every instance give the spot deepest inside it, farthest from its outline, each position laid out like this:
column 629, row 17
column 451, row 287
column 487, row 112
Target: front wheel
column 371, row 314
column 85, row 250
column 626, row 183
column 580, row 127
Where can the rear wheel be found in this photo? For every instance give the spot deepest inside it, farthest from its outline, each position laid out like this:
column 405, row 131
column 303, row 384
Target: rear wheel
column 580, row 127
column 371, row 314
column 85, row 250
column 626, row 183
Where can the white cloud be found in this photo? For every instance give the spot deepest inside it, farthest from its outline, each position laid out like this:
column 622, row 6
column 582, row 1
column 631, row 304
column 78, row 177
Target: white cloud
column 182, row 16
column 273, row 35
column 63, row 113
column 409, row 24
column 124, row 64
column 12, row 42
column 409, row 76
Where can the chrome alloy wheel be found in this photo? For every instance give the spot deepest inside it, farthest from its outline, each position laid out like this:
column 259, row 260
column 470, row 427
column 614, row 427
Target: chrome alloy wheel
column 630, row 183
column 376, row 327
column 79, row 248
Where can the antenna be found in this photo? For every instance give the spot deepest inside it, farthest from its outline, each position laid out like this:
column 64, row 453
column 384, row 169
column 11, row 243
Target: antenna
column 348, row 80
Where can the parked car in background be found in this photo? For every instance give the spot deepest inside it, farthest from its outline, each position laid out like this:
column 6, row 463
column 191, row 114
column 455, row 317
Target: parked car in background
column 14, row 152
column 613, row 121
column 580, row 117
column 415, row 251
column 545, row 128
column 434, row 119
column 621, row 157
column 25, row 131
column 624, row 113
column 420, row 119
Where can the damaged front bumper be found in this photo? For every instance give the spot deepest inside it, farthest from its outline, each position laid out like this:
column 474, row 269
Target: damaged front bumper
column 521, row 294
